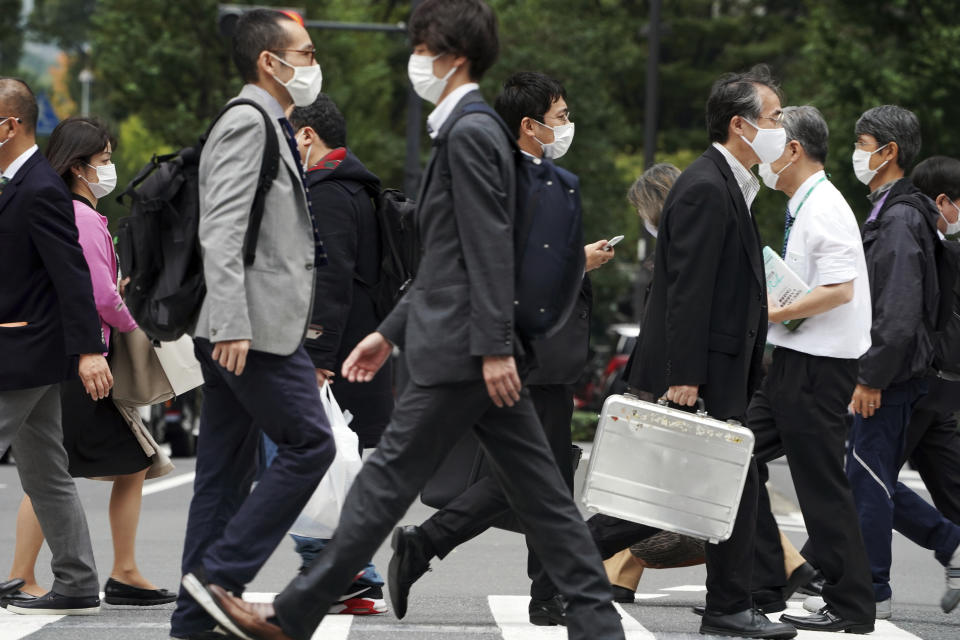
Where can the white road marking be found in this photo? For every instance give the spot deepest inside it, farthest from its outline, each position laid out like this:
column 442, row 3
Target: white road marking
column 14, row 626
column 334, row 627
column 649, row 596
column 687, row 587
column 510, row 613
column 156, row 486
column 883, row 629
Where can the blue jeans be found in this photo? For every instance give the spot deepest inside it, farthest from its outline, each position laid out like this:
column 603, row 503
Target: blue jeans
column 307, row 547
column 883, row 503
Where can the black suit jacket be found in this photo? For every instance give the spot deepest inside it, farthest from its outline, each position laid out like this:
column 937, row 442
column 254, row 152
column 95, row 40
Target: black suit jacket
column 45, row 282
column 460, row 306
column 706, row 321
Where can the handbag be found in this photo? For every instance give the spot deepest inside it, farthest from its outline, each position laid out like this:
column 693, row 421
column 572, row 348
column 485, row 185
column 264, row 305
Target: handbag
column 142, row 377
column 320, row 517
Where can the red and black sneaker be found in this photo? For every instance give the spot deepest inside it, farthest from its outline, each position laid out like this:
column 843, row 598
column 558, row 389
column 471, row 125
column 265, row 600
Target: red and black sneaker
column 361, row 601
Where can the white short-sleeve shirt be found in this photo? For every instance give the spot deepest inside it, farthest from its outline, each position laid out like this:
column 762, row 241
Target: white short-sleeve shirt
column 825, row 248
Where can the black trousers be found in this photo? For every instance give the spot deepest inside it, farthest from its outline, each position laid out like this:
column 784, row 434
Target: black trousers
column 933, row 447
column 484, row 504
column 426, row 423
column 800, row 411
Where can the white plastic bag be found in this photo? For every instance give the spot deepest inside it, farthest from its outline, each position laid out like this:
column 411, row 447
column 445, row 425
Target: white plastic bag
column 320, row 517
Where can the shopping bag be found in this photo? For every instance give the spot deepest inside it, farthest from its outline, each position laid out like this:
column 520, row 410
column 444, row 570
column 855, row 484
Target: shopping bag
column 320, row 517
column 145, row 374
column 180, row 364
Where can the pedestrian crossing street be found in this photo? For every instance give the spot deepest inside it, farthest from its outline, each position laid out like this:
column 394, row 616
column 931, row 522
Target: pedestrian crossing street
column 506, row 619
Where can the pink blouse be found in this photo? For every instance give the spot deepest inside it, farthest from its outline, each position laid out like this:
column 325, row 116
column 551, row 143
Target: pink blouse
column 101, row 259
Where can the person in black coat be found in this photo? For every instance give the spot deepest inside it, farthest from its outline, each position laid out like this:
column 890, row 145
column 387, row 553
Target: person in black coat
column 342, row 193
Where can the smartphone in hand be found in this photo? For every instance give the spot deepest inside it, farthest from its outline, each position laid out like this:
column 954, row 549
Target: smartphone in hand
column 612, row 243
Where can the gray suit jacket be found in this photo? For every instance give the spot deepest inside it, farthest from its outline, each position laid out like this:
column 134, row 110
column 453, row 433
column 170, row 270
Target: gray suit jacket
column 270, row 301
column 460, row 306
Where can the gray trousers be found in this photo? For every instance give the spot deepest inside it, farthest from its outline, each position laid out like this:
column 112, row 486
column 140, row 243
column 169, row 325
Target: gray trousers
column 30, row 422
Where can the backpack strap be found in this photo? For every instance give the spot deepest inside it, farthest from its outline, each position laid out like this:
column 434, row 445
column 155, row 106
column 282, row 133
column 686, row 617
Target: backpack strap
column 269, row 167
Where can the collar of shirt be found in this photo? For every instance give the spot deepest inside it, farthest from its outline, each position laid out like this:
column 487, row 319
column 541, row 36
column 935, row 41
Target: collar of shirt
column 874, row 196
column 19, row 162
column 274, row 110
column 803, row 190
column 443, row 110
column 748, row 183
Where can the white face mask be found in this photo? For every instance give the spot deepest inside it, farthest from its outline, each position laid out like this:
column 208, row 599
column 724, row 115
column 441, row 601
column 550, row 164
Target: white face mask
column 425, row 84
column 1, row 123
column 770, row 177
column 652, row 230
column 106, row 180
column 953, row 228
column 768, row 144
column 562, row 139
column 305, row 85
column 861, row 165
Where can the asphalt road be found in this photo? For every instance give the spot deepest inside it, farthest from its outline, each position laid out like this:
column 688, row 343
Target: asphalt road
column 477, row 593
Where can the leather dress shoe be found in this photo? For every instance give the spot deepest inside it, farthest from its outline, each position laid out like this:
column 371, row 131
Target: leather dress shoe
column 548, row 613
column 623, row 595
column 16, row 598
column 801, row 576
column 827, row 620
column 750, row 623
column 209, row 634
column 255, row 620
column 814, row 587
column 118, row 593
column 10, row 586
column 769, row 607
column 410, row 561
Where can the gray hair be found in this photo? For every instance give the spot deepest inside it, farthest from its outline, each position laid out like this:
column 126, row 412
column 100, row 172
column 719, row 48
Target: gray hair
column 736, row 94
column 806, row 125
column 650, row 190
column 890, row 123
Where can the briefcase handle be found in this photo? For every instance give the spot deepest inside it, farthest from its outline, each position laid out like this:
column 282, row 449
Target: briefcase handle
column 701, row 405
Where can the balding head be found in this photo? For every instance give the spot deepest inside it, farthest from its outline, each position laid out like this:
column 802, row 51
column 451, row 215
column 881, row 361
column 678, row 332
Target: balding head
column 17, row 100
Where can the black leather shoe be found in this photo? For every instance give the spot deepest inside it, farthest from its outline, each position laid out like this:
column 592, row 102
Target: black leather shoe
column 116, row 592
column 410, row 561
column 624, row 595
column 750, row 623
column 10, row 586
column 548, row 613
column 17, row 597
column 827, row 620
column 54, row 604
column 800, row 576
column 814, row 587
column 769, row 607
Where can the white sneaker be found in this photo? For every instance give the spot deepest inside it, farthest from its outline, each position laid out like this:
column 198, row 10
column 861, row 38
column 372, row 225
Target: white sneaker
column 951, row 597
column 885, row 609
column 813, row 604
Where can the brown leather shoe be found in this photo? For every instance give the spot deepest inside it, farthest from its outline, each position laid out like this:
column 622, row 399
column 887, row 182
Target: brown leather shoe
column 250, row 617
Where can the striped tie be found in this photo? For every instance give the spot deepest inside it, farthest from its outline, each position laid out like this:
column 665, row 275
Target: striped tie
column 3, row 182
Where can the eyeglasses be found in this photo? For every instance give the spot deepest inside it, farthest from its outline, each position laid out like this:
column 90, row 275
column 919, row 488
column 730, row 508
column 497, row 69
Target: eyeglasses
column 310, row 53
column 777, row 119
column 14, row 118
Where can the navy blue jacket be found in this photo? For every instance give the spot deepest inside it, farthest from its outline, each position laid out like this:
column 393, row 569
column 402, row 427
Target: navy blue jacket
column 45, row 282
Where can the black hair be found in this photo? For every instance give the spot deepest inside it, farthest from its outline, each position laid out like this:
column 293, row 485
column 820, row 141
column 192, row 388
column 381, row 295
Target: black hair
column 890, row 123
column 74, row 141
column 936, row 175
column 461, row 27
column 527, row 94
column 325, row 118
column 257, row 30
column 735, row 94
column 17, row 100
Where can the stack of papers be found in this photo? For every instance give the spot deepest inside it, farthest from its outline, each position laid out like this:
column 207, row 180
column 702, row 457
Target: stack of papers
column 783, row 285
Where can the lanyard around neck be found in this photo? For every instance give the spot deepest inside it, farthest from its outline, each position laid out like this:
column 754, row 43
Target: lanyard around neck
column 793, row 218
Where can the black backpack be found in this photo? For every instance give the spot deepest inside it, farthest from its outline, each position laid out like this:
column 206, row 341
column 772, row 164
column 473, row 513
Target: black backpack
column 399, row 250
column 158, row 244
column 548, row 248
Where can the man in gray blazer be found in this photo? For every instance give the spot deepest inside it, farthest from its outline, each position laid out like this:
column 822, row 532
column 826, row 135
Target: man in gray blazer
column 456, row 327
column 251, row 326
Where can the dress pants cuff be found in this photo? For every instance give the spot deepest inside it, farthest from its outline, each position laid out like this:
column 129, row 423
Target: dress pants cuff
column 435, row 540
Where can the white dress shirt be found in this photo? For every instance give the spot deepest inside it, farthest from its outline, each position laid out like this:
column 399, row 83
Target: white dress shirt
column 825, row 248
column 748, row 183
column 20, row 160
column 443, row 110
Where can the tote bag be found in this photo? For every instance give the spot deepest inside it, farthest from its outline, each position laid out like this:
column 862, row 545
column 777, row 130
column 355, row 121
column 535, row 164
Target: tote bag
column 144, row 374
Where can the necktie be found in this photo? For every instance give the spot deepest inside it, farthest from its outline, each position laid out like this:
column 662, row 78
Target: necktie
column 787, row 226
column 291, row 136
column 3, row 182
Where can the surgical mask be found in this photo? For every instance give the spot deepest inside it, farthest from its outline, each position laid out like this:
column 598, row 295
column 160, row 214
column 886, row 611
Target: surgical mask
column 768, row 144
column 106, row 180
column 770, row 177
column 953, row 228
column 305, row 85
column 1, row 123
column 425, row 84
column 861, row 165
column 562, row 139
column 652, row 230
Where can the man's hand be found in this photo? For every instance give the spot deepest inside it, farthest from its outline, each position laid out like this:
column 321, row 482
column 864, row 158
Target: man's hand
column 95, row 375
column 503, row 381
column 232, row 355
column 866, row 400
column 323, row 376
column 596, row 255
column 683, row 394
column 773, row 310
column 366, row 358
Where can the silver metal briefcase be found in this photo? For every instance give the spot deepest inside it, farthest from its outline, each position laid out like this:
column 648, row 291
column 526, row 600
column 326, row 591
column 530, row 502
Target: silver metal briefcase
column 667, row 468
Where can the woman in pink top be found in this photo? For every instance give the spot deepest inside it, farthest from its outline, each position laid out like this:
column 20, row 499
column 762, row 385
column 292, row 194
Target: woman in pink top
column 98, row 440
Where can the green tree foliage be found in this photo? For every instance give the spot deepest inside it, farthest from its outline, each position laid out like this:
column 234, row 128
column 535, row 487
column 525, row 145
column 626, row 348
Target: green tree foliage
column 63, row 22
column 11, row 36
